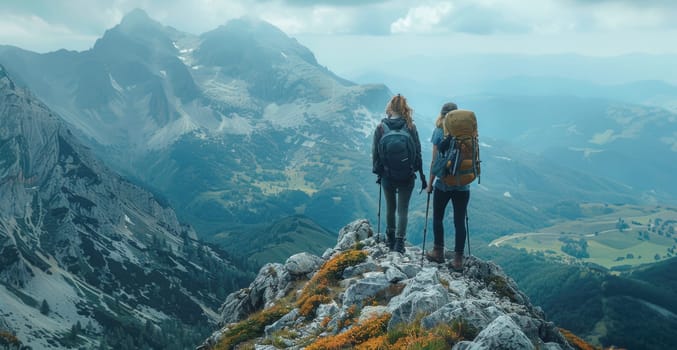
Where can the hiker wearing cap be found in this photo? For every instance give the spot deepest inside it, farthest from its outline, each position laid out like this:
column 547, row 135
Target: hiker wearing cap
column 396, row 155
column 443, row 193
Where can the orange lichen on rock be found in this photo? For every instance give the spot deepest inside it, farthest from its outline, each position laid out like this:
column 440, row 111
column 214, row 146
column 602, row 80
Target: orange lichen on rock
column 358, row 336
column 577, row 342
column 252, row 327
column 317, row 290
column 413, row 336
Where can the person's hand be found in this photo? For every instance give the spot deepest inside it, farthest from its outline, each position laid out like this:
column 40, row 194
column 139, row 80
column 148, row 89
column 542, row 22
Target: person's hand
column 424, row 183
column 429, row 189
column 378, row 180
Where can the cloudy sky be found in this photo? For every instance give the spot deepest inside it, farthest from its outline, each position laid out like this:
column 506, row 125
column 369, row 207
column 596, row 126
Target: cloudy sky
column 333, row 27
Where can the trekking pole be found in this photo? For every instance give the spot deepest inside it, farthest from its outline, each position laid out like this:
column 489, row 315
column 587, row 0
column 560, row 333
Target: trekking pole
column 467, row 231
column 425, row 228
column 378, row 234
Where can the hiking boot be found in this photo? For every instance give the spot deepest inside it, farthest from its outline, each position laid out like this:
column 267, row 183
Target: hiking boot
column 399, row 245
column 390, row 240
column 436, row 254
column 457, row 264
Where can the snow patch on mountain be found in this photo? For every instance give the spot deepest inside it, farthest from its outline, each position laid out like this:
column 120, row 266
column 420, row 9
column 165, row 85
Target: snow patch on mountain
column 366, row 121
column 28, row 322
column 115, row 84
column 185, row 48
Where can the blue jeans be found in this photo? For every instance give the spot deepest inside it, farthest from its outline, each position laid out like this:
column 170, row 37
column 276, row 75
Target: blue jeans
column 397, row 195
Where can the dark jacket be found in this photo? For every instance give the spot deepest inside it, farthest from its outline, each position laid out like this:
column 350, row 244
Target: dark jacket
column 396, row 124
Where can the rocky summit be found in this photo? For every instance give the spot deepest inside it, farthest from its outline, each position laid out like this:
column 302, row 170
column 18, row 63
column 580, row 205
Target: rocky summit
column 360, row 295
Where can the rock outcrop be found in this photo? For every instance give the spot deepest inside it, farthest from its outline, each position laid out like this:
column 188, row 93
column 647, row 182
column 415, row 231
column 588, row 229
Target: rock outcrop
column 365, row 296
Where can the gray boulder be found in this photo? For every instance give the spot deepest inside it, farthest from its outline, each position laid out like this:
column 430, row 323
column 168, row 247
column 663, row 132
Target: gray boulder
column 272, row 283
column 476, row 313
column 302, row 263
column 285, row 321
column 363, row 289
column 394, row 275
column 359, row 269
column 352, row 233
column 423, row 294
column 501, row 334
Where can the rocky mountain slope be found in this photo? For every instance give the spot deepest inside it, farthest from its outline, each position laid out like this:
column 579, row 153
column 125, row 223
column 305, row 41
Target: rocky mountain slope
column 83, row 252
column 359, row 295
column 236, row 125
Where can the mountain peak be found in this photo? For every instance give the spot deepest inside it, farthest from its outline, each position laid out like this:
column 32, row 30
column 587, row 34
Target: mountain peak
column 136, row 34
column 359, row 294
column 252, row 28
column 138, row 22
column 253, row 23
column 136, row 16
column 258, row 37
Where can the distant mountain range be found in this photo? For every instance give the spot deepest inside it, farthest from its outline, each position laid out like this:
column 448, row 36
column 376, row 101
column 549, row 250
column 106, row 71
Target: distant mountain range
column 237, row 125
column 628, row 143
column 241, row 125
column 85, row 254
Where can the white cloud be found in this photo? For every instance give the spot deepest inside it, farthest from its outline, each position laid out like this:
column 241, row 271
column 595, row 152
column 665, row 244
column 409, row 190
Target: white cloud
column 21, row 29
column 422, row 19
column 317, row 20
column 613, row 16
column 550, row 26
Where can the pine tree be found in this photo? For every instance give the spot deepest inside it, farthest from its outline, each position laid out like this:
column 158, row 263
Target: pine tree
column 44, row 307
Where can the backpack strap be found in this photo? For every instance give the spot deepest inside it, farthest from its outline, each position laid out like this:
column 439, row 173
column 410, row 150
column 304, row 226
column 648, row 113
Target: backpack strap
column 384, row 127
column 384, row 130
column 476, row 153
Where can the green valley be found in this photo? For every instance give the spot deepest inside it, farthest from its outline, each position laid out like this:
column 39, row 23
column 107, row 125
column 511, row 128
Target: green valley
column 258, row 244
column 616, row 237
